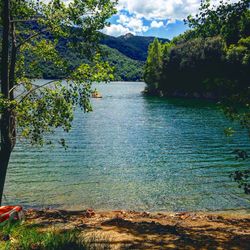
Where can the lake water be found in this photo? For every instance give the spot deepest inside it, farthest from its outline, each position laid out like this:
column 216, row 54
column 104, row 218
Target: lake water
column 134, row 152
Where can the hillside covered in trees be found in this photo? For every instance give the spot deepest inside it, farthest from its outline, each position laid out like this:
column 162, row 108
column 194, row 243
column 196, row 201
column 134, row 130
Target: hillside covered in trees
column 134, row 47
column 127, row 54
column 211, row 60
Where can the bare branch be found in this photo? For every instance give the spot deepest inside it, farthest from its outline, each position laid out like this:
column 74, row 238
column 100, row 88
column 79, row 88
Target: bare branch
column 17, row 85
column 24, row 21
column 34, row 89
column 32, row 36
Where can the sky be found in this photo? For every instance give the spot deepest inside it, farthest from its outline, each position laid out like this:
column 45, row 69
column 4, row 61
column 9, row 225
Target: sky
column 159, row 18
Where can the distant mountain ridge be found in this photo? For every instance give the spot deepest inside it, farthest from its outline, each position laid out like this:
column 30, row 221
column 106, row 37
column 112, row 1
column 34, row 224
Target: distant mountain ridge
column 135, row 47
column 126, row 53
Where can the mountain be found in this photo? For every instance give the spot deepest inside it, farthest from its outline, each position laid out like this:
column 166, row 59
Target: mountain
column 125, row 68
column 135, row 47
column 126, row 53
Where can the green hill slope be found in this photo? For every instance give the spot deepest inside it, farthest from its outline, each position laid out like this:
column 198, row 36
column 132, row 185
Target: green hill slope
column 135, row 47
column 126, row 53
column 126, row 69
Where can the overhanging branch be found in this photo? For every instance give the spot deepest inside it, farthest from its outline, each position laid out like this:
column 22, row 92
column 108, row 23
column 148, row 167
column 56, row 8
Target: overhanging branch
column 34, row 89
column 32, row 36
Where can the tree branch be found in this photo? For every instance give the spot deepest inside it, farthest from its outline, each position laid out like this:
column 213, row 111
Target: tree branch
column 16, row 85
column 23, row 20
column 34, row 89
column 32, row 36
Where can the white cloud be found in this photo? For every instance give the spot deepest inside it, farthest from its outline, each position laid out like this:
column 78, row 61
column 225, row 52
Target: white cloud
column 133, row 23
column 133, row 13
column 162, row 9
column 171, row 21
column 136, row 25
column 116, row 30
column 156, row 24
column 123, row 19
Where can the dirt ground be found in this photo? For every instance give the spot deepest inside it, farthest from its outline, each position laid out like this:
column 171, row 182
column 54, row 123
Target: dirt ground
column 142, row 230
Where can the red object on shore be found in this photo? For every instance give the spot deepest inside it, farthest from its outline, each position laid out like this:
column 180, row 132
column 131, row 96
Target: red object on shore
column 11, row 213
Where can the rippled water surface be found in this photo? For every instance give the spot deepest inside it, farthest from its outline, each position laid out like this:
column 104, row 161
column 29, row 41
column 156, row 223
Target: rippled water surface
column 134, row 152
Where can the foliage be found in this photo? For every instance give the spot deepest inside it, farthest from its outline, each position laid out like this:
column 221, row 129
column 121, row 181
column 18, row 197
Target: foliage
column 41, row 109
column 134, row 47
column 125, row 68
column 242, row 178
column 203, row 61
column 229, row 20
column 153, row 66
column 126, row 53
column 189, row 65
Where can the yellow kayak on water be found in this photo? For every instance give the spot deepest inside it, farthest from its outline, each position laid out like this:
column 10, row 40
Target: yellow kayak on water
column 96, row 94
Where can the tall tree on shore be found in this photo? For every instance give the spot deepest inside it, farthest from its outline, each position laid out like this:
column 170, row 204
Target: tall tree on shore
column 33, row 26
column 153, row 66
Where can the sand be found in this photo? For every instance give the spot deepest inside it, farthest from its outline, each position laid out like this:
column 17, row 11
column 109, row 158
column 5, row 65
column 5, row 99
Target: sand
column 143, row 230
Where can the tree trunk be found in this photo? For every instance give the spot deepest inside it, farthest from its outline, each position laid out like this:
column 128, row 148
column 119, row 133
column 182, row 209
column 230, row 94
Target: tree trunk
column 12, row 60
column 6, row 117
column 4, row 161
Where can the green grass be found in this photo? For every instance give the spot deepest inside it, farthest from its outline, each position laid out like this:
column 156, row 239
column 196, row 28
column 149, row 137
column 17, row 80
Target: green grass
column 26, row 237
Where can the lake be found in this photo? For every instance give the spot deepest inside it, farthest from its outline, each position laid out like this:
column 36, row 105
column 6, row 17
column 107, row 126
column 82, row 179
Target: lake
column 137, row 153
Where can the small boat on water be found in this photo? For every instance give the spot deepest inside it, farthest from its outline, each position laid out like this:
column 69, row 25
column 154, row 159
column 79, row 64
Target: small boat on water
column 10, row 213
column 96, row 94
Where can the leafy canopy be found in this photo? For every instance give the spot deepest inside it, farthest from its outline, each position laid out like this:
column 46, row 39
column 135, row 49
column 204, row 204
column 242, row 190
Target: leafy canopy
column 40, row 109
column 229, row 20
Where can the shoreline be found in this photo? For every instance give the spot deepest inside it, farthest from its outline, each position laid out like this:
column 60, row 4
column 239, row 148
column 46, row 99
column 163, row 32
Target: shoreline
column 230, row 211
column 206, row 96
column 145, row 230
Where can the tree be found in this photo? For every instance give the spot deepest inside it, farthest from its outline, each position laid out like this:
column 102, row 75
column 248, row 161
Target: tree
column 206, row 60
column 35, row 26
column 187, row 66
column 229, row 20
column 153, row 66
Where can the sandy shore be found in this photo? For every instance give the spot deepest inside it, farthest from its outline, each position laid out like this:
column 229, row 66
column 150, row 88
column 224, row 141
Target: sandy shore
column 142, row 230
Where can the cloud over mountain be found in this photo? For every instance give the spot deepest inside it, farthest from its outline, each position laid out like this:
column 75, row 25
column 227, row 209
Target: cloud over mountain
column 163, row 9
column 140, row 16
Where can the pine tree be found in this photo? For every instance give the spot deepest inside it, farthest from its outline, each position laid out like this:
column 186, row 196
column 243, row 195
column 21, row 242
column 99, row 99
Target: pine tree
column 153, row 66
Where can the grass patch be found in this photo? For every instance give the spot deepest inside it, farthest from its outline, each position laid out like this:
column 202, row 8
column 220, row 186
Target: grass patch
column 26, row 237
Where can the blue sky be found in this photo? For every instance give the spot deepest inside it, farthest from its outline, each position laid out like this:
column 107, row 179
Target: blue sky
column 124, row 23
column 160, row 18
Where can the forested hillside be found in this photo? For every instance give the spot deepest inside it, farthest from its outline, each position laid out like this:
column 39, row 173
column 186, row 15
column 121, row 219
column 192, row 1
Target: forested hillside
column 211, row 60
column 134, row 47
column 125, row 68
column 126, row 53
